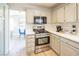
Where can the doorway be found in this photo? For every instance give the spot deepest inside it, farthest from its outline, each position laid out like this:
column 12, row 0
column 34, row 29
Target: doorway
column 16, row 21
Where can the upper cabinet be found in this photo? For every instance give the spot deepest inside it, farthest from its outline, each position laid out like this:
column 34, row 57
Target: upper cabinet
column 36, row 12
column 30, row 13
column 70, row 12
column 60, row 14
column 54, row 17
column 66, row 13
column 47, row 14
column 29, row 16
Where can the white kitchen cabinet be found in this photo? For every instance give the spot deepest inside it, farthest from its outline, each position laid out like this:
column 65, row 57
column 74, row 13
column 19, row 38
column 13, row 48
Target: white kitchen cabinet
column 29, row 16
column 55, row 43
column 68, row 48
column 30, row 44
column 47, row 14
column 30, row 13
column 51, row 41
column 63, row 46
column 54, row 17
column 70, row 12
column 60, row 14
column 36, row 12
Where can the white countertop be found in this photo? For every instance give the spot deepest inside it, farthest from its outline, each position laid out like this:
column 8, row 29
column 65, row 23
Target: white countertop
column 64, row 35
column 29, row 30
column 75, row 38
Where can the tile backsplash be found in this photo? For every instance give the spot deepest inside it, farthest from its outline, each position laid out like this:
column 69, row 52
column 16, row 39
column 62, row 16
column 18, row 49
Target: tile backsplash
column 67, row 27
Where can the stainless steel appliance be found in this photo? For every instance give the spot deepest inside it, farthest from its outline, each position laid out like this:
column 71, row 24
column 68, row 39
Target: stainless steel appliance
column 40, row 20
column 42, row 39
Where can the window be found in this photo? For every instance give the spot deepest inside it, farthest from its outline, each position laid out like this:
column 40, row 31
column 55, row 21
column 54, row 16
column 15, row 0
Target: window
column 17, row 19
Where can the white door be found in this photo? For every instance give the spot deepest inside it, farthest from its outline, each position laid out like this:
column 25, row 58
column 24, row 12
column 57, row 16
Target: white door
column 2, row 37
column 1, row 11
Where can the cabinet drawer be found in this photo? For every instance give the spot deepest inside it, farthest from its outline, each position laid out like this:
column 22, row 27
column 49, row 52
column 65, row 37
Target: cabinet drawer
column 30, row 45
column 30, row 36
column 74, row 44
column 31, row 48
column 67, row 50
column 30, row 40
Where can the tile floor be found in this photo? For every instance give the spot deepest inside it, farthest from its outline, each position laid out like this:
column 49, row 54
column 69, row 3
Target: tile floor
column 46, row 53
column 17, row 48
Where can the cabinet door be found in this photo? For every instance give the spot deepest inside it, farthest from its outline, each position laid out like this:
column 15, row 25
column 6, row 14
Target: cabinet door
column 29, row 16
column 56, row 43
column 52, row 42
column 54, row 17
column 70, row 13
column 37, row 12
column 30, row 44
column 67, row 50
column 47, row 14
column 60, row 14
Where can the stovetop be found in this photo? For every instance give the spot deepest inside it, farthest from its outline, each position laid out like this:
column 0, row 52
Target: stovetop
column 38, row 31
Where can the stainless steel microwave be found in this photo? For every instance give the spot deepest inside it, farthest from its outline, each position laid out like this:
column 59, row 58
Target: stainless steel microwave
column 40, row 20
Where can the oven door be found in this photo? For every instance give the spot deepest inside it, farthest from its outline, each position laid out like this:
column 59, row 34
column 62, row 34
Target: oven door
column 42, row 40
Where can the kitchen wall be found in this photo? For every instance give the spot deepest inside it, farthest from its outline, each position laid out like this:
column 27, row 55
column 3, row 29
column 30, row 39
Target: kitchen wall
column 70, row 12
column 67, row 27
column 32, row 11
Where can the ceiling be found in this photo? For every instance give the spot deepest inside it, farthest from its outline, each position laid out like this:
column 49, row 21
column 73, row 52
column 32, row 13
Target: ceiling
column 47, row 5
column 43, row 5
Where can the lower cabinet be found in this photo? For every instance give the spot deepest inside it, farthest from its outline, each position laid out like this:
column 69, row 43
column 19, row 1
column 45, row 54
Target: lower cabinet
column 67, row 50
column 63, row 46
column 55, row 43
column 30, row 44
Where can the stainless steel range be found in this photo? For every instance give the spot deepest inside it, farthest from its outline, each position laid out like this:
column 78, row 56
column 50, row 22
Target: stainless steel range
column 42, row 39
